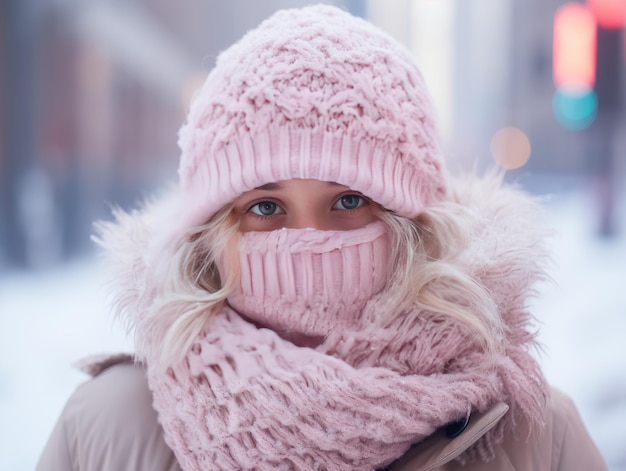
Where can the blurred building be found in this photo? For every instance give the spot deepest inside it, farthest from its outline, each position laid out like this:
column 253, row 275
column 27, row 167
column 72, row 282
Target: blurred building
column 93, row 94
column 592, row 152
column 489, row 65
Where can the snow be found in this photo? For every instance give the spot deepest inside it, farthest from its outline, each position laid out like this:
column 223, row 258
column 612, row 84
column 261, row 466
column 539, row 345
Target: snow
column 583, row 322
column 49, row 319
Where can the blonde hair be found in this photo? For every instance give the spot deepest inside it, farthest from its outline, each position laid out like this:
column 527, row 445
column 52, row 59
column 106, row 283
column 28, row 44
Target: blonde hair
column 197, row 291
column 427, row 273
column 425, row 276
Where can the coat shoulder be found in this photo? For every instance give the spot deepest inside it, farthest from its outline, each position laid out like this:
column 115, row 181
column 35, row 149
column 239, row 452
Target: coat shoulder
column 109, row 424
column 573, row 447
column 563, row 443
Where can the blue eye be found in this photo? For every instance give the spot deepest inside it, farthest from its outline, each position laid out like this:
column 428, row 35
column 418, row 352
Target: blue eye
column 266, row 208
column 347, row 202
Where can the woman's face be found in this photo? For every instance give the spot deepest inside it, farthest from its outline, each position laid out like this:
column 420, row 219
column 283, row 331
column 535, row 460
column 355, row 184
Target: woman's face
column 298, row 204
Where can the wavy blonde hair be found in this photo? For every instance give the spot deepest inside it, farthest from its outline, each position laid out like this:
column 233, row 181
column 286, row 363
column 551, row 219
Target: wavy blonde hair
column 426, row 276
column 195, row 289
column 428, row 273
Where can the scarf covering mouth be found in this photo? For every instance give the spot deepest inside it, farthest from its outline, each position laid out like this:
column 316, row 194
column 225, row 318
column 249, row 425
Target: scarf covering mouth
column 244, row 398
column 309, row 282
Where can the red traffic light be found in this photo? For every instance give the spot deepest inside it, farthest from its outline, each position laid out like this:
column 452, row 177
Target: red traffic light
column 574, row 46
column 610, row 14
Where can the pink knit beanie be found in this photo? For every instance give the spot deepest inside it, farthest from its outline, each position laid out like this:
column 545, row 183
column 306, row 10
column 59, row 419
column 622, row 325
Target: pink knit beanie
column 312, row 93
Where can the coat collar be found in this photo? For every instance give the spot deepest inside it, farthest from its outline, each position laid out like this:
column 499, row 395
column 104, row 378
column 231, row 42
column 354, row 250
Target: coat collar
column 438, row 449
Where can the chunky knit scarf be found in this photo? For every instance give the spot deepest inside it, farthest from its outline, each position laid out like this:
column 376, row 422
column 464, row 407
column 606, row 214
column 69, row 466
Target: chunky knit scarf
column 246, row 398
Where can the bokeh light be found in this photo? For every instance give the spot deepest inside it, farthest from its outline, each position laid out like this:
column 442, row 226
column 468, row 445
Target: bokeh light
column 610, row 14
column 575, row 108
column 190, row 89
column 574, row 46
column 510, row 148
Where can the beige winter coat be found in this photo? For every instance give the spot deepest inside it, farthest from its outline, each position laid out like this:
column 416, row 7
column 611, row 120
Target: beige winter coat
column 109, row 425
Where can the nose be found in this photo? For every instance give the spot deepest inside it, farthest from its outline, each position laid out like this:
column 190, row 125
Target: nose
column 309, row 220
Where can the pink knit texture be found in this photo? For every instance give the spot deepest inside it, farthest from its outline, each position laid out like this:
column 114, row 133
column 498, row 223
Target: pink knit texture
column 312, row 93
column 309, row 281
column 246, row 399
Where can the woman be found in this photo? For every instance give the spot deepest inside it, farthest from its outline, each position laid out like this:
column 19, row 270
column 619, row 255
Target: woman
column 318, row 293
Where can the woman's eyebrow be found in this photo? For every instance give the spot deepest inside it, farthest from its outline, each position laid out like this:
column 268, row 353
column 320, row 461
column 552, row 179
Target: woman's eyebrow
column 269, row 186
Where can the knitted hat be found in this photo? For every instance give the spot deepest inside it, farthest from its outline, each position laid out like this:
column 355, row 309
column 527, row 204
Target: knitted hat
column 312, row 93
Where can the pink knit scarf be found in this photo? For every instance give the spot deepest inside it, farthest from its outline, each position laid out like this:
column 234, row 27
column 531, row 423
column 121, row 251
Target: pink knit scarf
column 306, row 282
column 245, row 398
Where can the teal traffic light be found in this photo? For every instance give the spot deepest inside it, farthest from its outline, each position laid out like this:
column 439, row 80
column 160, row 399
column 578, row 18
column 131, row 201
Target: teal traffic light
column 575, row 109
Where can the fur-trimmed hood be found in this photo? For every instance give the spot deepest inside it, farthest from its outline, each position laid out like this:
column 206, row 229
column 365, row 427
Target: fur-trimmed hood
column 506, row 252
column 502, row 251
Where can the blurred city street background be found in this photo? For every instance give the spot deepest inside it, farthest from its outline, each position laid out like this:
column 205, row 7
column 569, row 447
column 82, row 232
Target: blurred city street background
column 92, row 95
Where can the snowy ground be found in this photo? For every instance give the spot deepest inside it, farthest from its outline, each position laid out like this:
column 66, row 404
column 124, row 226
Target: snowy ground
column 50, row 319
